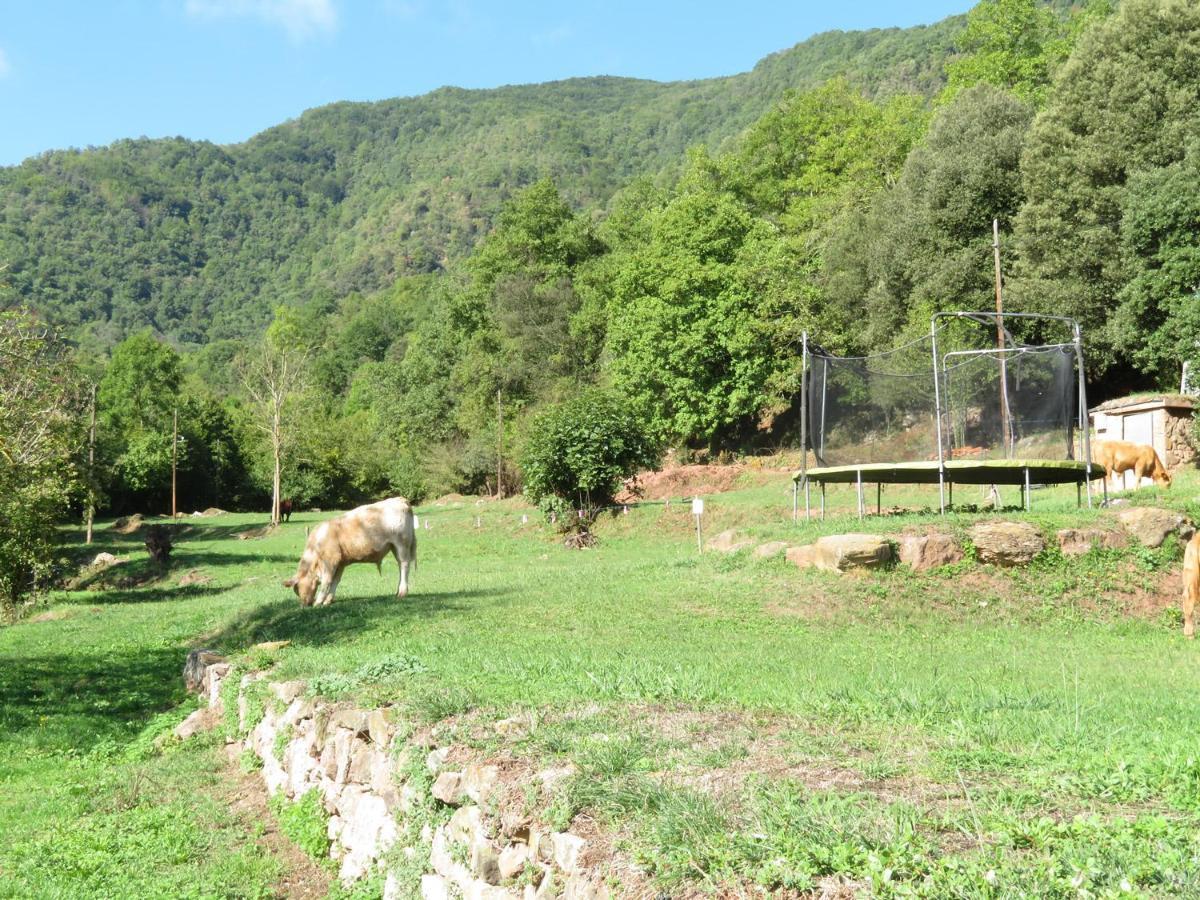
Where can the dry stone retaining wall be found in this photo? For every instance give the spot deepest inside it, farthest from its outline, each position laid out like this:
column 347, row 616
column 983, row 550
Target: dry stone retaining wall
column 351, row 757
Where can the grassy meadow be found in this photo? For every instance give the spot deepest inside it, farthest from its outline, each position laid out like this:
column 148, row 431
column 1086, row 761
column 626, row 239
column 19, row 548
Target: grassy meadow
column 738, row 724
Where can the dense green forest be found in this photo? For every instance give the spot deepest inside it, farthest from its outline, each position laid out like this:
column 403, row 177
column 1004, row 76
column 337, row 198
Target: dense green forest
column 445, row 269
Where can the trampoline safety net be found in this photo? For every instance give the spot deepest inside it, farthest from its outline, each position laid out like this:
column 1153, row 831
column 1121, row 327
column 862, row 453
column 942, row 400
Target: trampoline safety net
column 984, row 403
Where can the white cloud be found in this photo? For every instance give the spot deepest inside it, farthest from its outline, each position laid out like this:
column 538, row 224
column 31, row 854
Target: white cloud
column 5, row 68
column 301, row 19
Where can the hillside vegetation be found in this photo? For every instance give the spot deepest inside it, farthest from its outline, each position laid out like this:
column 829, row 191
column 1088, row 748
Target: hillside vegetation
column 200, row 242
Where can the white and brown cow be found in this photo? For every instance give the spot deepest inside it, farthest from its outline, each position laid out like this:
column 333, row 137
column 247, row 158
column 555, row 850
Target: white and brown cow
column 366, row 534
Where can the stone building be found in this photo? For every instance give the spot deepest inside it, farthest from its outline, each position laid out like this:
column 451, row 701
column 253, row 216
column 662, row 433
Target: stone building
column 1163, row 421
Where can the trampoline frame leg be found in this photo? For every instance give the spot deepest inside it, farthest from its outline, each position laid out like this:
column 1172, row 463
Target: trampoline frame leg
column 822, row 501
column 1028, row 501
column 795, row 501
column 879, row 498
column 807, row 502
column 861, row 505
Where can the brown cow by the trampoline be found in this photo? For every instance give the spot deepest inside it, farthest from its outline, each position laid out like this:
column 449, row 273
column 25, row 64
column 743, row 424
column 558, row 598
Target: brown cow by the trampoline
column 1191, row 585
column 1123, row 456
column 366, row 534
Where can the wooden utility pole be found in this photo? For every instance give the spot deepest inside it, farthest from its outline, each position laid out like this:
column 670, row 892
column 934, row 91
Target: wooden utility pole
column 91, row 507
column 1005, row 416
column 174, row 448
column 499, row 447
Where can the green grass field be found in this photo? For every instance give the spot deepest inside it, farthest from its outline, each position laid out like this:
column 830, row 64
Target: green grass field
column 738, row 724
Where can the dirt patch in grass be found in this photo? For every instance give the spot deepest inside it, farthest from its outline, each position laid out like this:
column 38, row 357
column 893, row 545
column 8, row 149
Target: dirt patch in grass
column 680, row 481
column 303, row 878
column 252, row 534
column 194, row 576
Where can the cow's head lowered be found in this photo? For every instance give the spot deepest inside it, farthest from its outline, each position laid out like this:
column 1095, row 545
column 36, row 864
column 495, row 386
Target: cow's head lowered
column 307, row 579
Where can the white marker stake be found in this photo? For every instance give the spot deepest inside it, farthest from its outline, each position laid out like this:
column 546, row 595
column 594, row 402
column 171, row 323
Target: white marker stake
column 416, row 522
column 477, row 522
column 698, row 511
column 524, row 520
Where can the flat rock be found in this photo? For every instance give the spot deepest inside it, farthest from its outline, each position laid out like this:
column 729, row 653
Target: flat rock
column 729, row 542
column 1078, row 541
column 843, row 552
column 433, row 887
column 804, row 557
column 286, row 691
column 478, row 781
column 203, row 719
column 379, row 728
column 567, row 850
column 449, row 788
column 1150, row 525
column 512, row 860
column 436, row 759
column 770, row 550
column 1007, row 543
column 928, row 551
column 354, row 720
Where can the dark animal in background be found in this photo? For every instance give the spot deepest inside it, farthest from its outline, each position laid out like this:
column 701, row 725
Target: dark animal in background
column 285, row 509
column 159, row 543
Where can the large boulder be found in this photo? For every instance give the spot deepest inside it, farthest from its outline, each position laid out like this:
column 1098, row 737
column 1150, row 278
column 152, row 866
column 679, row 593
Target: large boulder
column 1078, row 541
column 928, row 551
column 1007, row 543
column 1150, row 525
column 842, row 552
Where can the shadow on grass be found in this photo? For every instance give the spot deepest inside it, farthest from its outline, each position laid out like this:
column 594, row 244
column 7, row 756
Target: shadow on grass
column 286, row 619
column 63, row 701
column 154, row 592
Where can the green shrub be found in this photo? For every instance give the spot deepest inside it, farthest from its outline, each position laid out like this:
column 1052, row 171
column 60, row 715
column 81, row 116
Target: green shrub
column 579, row 452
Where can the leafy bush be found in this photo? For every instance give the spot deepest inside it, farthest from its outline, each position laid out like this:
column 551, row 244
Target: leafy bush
column 579, row 452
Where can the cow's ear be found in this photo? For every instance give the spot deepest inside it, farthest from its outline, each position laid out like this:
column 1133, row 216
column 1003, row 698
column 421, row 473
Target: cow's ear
column 291, row 582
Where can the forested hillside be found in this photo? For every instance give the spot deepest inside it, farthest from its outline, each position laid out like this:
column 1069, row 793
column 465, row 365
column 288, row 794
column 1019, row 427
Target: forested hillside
column 446, row 269
column 199, row 242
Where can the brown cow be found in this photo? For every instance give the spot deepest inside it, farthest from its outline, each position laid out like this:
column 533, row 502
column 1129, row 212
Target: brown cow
column 366, row 534
column 1191, row 585
column 1122, row 456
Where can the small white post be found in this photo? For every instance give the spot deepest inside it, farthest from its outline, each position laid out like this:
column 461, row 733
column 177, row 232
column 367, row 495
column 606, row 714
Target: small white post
column 698, row 512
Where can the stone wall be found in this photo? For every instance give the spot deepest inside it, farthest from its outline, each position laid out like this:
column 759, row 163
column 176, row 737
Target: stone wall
column 446, row 822
column 1180, row 439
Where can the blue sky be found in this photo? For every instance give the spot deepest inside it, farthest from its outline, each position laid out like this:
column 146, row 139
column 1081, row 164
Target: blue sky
column 75, row 73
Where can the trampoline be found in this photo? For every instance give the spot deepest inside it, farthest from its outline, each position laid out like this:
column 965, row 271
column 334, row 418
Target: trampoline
column 961, row 405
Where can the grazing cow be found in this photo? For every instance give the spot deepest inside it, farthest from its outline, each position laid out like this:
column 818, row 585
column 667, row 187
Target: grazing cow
column 1121, row 456
column 366, row 534
column 1191, row 585
column 285, row 509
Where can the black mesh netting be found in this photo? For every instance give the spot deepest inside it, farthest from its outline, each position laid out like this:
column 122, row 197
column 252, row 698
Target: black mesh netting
column 1019, row 403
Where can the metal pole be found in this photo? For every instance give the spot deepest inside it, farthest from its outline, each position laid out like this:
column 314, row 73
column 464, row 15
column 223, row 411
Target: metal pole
column 1085, row 427
column 822, row 501
column 1027, row 498
column 91, row 508
column 807, row 501
column 795, row 500
column 860, row 495
column 879, row 498
column 499, row 447
column 804, row 404
column 1005, row 417
column 824, row 405
column 174, row 445
column 937, row 411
